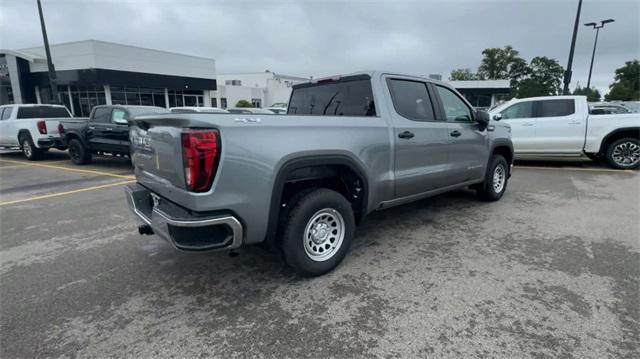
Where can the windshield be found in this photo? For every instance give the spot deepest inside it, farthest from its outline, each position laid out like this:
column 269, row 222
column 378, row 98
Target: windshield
column 43, row 112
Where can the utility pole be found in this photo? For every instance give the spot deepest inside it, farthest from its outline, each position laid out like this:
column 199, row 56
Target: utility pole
column 52, row 70
column 567, row 74
column 595, row 43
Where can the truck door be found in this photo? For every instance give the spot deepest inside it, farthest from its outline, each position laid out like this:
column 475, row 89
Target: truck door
column 521, row 118
column 5, row 131
column 421, row 141
column 97, row 129
column 468, row 144
column 559, row 127
column 120, row 131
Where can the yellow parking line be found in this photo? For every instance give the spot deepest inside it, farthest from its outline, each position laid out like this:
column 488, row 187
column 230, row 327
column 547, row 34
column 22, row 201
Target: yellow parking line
column 58, row 194
column 577, row 169
column 70, row 169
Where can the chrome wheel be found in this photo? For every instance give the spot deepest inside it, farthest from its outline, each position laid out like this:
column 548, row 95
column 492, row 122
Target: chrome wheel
column 26, row 148
column 324, row 234
column 499, row 178
column 626, row 154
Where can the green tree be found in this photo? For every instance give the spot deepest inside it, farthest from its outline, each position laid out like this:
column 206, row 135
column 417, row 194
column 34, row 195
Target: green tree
column 497, row 63
column 244, row 103
column 626, row 86
column 542, row 77
column 593, row 95
column 462, row 75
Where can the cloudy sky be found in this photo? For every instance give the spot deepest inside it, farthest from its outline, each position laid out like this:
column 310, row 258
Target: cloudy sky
column 327, row 37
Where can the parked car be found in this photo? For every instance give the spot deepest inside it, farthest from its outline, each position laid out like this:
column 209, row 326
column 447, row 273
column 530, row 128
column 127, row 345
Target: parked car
column 348, row 146
column 105, row 132
column 277, row 110
column 561, row 126
column 632, row 106
column 282, row 105
column 249, row 110
column 192, row 109
column 607, row 108
column 32, row 128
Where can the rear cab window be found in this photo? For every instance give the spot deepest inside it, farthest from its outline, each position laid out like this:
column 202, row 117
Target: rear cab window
column 344, row 96
column 101, row 115
column 42, row 112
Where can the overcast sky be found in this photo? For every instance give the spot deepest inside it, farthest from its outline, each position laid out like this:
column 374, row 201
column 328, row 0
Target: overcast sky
column 322, row 38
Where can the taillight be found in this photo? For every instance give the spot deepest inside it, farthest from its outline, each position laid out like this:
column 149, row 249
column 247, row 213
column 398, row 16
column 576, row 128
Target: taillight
column 200, row 154
column 42, row 127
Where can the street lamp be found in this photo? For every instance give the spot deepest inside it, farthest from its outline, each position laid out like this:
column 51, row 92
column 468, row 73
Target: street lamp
column 593, row 55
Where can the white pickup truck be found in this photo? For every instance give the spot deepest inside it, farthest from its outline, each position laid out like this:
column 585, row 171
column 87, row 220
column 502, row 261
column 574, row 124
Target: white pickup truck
column 562, row 126
column 32, row 128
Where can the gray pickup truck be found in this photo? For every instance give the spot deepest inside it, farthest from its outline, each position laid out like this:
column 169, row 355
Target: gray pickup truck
column 301, row 182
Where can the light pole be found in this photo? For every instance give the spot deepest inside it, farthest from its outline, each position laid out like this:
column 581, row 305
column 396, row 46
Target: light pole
column 595, row 43
column 52, row 70
column 567, row 74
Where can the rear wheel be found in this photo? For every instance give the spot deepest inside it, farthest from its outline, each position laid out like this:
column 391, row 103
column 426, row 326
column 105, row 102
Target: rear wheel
column 495, row 181
column 78, row 154
column 29, row 150
column 317, row 232
column 624, row 153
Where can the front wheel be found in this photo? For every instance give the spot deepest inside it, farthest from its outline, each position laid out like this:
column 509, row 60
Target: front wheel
column 495, row 181
column 624, row 153
column 317, row 232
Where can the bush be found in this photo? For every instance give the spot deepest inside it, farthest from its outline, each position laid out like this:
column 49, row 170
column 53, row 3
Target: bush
column 244, row 103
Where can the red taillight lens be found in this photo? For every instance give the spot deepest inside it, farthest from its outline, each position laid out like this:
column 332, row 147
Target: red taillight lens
column 200, row 153
column 42, row 127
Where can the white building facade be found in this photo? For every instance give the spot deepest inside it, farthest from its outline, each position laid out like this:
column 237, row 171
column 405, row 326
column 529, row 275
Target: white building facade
column 262, row 89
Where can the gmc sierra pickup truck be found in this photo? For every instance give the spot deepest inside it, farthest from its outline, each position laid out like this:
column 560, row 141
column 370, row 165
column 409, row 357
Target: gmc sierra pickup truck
column 562, row 126
column 32, row 127
column 105, row 132
column 349, row 145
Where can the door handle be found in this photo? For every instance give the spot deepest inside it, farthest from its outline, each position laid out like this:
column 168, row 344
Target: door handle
column 574, row 122
column 109, row 129
column 455, row 133
column 406, row 135
column 527, row 124
column 92, row 127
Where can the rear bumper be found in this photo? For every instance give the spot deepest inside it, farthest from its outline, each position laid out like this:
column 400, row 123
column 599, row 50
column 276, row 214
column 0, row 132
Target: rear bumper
column 50, row 142
column 185, row 230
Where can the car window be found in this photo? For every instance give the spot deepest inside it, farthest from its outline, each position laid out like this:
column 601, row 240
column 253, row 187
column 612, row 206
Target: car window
column 101, row 115
column 118, row 114
column 6, row 112
column 411, row 99
column 518, row 110
column 139, row 111
column 555, row 108
column 345, row 97
column 454, row 108
column 42, row 112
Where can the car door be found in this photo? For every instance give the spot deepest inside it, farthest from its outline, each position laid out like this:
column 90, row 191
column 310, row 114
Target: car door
column 120, row 130
column 98, row 129
column 560, row 129
column 5, row 113
column 420, row 139
column 468, row 141
column 521, row 118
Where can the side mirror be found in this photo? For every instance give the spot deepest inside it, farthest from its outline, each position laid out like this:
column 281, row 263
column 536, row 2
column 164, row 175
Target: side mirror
column 482, row 118
column 120, row 121
column 497, row 117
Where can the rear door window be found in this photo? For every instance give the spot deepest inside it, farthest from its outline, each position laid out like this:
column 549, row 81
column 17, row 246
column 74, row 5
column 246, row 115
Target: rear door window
column 411, row 99
column 518, row 110
column 42, row 112
column 6, row 113
column 344, row 97
column 555, row 108
column 101, row 115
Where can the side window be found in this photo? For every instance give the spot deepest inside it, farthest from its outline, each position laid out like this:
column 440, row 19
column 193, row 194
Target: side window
column 555, row 108
column 101, row 115
column 117, row 114
column 6, row 113
column 519, row 110
column 454, row 108
column 411, row 99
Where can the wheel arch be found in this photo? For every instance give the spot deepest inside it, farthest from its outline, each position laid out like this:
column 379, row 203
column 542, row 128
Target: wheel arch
column 633, row 132
column 310, row 168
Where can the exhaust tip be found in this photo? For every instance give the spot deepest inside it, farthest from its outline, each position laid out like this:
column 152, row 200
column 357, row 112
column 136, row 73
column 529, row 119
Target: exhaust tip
column 145, row 229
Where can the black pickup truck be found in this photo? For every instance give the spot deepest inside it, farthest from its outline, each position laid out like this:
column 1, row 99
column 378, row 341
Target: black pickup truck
column 105, row 132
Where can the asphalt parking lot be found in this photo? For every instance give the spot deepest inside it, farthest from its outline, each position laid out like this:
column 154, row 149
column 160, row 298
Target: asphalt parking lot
column 552, row 270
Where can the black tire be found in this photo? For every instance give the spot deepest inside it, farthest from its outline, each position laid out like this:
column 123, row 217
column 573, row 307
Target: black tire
column 78, row 153
column 488, row 190
column 29, row 150
column 332, row 214
column 624, row 153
